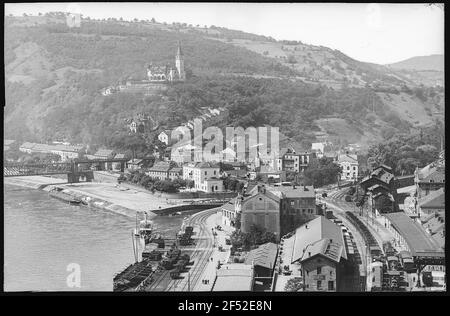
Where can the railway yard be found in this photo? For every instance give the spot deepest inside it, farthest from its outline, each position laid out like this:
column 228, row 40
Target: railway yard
column 176, row 264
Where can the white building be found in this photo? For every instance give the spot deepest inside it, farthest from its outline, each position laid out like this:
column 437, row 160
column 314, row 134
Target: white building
column 205, row 176
column 319, row 148
column 66, row 152
column 164, row 137
column 349, row 166
column 230, row 211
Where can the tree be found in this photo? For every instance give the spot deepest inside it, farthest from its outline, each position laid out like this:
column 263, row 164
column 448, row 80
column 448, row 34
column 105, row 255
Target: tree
column 293, row 285
column 291, row 59
column 190, row 184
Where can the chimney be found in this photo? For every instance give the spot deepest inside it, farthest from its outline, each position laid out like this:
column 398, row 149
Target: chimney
column 309, row 253
column 305, row 188
column 293, row 186
column 306, row 226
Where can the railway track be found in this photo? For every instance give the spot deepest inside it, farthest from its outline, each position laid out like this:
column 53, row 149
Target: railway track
column 200, row 255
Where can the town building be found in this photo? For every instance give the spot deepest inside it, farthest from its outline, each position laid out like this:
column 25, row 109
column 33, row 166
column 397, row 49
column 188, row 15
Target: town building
column 231, row 212
column 135, row 164
column 430, row 178
column 263, row 259
column 293, row 160
column 318, row 148
column 297, row 206
column 140, row 123
column 117, row 165
column 316, row 252
column 205, row 176
column 262, row 209
column 281, row 208
column 163, row 170
column 66, row 152
column 431, row 203
column 267, row 174
column 434, row 224
column 168, row 73
column 427, row 250
column 349, row 166
column 164, row 136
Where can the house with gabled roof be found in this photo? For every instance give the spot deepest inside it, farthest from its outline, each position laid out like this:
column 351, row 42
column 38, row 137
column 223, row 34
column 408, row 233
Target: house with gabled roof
column 433, row 202
column 319, row 252
column 205, row 176
column 430, row 178
column 263, row 260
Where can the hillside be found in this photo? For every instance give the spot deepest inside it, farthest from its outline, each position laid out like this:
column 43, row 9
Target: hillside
column 426, row 70
column 54, row 75
column 432, row 62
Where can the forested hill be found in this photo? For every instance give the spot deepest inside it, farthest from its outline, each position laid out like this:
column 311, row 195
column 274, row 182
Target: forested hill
column 54, row 75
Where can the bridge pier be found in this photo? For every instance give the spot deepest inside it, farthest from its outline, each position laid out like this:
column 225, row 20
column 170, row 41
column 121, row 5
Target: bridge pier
column 73, row 178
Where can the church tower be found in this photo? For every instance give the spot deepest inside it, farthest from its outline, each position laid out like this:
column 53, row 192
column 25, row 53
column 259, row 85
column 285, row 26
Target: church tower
column 179, row 63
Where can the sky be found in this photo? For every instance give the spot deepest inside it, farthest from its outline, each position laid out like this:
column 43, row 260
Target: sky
column 378, row 33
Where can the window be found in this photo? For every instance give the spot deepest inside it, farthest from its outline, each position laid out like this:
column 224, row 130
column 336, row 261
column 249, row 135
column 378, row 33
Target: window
column 330, row 285
column 331, row 272
column 319, row 284
column 206, row 173
column 348, row 167
column 214, row 172
column 319, row 270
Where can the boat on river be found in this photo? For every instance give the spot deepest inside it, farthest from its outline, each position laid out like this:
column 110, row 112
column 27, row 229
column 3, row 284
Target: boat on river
column 59, row 194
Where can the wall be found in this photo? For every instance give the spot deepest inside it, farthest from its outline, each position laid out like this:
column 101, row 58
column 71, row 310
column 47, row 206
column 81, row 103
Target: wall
column 262, row 211
column 293, row 216
column 329, row 272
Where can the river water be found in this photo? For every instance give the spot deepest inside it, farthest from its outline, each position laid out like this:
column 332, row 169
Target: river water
column 43, row 236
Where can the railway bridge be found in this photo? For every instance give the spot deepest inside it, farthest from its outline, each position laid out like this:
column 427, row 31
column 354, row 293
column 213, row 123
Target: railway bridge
column 73, row 169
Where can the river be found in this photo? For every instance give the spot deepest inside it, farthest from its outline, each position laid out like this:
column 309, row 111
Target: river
column 43, row 236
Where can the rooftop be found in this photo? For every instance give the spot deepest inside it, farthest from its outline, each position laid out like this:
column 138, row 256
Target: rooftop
column 293, row 192
column 325, row 247
column 318, row 229
column 419, row 242
column 229, row 206
column 264, row 256
column 234, row 277
column 162, row 166
column 104, row 152
column 348, row 158
column 434, row 200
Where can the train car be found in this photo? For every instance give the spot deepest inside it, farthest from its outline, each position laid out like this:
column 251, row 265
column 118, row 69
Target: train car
column 427, row 278
column 167, row 264
column 393, row 262
column 186, row 258
column 375, row 251
column 376, row 275
column 407, row 262
column 388, row 249
column 175, row 273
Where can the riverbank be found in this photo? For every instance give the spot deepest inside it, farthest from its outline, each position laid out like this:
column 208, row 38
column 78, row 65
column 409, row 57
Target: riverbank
column 106, row 196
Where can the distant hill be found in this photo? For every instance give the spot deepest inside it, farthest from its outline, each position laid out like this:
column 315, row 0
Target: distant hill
column 432, row 62
column 54, row 75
